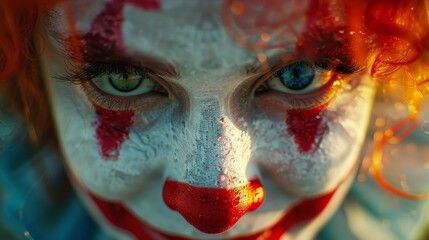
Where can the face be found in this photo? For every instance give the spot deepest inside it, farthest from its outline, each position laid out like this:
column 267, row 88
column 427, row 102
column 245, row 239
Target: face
column 174, row 129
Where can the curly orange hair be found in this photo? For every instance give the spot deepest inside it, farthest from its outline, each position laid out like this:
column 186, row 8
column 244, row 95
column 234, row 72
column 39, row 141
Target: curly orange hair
column 20, row 79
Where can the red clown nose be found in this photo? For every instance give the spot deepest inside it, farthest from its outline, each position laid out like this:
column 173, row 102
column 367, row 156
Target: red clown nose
column 213, row 210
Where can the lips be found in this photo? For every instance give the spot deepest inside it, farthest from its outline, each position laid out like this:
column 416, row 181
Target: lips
column 213, row 210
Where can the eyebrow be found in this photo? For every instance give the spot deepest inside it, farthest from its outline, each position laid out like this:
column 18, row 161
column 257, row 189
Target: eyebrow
column 85, row 48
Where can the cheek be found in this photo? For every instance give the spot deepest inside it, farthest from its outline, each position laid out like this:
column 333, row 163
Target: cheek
column 281, row 153
column 113, row 153
column 311, row 151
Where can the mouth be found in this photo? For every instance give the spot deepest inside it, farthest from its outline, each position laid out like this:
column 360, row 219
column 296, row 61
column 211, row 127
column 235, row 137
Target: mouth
column 123, row 218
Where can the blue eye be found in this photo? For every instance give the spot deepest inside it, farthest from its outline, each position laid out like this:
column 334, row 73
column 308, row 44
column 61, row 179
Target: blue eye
column 296, row 76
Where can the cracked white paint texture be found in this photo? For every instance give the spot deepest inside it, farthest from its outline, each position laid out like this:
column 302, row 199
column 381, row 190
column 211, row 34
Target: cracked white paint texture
column 199, row 139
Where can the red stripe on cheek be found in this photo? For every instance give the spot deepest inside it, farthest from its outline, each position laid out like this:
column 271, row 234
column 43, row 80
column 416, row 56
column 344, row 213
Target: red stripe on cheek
column 304, row 126
column 112, row 129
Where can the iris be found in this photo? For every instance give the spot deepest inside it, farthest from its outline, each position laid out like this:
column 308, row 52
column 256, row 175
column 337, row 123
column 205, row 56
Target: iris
column 125, row 81
column 296, row 76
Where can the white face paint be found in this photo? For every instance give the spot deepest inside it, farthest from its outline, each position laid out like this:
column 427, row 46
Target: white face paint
column 204, row 125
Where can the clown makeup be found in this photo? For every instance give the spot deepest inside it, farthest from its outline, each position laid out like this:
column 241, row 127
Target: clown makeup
column 173, row 130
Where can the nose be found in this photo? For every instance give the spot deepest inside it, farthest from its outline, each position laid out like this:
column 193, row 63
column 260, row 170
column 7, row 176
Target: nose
column 213, row 210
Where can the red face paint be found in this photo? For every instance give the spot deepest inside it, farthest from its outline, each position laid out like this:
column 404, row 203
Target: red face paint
column 112, row 129
column 304, row 126
column 104, row 38
column 105, row 35
column 213, row 210
column 121, row 217
column 147, row 5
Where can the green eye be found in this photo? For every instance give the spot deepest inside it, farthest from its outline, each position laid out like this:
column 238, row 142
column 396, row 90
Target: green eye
column 125, row 82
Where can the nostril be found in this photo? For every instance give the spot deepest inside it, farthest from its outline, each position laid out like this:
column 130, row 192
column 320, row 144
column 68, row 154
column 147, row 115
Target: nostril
column 213, row 210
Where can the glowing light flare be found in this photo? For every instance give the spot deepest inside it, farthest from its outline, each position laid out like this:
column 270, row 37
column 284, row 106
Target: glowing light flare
column 262, row 57
column 399, row 106
column 415, row 103
column 265, row 37
column 394, row 135
column 336, row 83
column 237, row 8
column 259, row 195
column 378, row 135
column 380, row 122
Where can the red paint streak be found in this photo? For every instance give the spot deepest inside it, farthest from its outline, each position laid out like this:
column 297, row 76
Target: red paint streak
column 105, row 34
column 121, row 217
column 304, row 126
column 113, row 129
column 148, row 5
column 213, row 210
column 105, row 38
column 299, row 213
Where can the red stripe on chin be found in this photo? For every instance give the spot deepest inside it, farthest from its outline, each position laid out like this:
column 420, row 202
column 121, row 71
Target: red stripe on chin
column 123, row 218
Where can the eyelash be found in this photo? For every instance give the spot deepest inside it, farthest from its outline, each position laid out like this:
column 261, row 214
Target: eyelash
column 83, row 74
column 341, row 70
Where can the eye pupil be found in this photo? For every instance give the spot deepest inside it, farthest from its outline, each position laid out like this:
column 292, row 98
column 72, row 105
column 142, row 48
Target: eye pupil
column 125, row 82
column 125, row 75
column 296, row 76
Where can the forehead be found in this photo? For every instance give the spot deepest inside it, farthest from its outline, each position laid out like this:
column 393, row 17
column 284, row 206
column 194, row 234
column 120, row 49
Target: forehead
column 189, row 32
column 181, row 31
column 192, row 37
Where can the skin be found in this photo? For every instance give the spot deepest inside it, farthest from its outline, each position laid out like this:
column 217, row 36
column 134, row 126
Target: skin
column 208, row 129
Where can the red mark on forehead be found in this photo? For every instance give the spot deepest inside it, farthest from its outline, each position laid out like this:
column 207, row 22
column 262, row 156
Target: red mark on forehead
column 304, row 126
column 113, row 128
column 105, row 35
column 154, row 5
